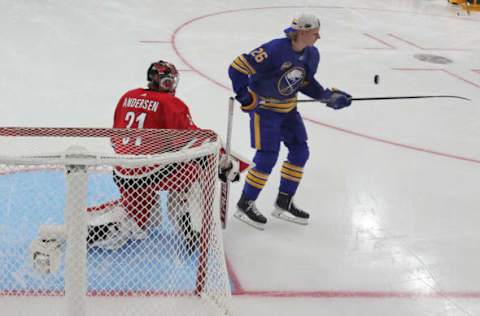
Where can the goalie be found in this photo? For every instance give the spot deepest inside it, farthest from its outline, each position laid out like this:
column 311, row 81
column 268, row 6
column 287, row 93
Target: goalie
column 111, row 225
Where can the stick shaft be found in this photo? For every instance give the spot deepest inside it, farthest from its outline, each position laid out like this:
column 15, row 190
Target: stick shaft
column 225, row 186
column 410, row 97
column 396, row 98
column 228, row 141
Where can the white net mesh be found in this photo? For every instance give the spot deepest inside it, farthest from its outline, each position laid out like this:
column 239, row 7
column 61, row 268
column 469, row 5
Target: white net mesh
column 110, row 222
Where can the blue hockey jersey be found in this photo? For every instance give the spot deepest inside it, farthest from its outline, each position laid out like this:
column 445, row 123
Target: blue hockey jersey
column 275, row 72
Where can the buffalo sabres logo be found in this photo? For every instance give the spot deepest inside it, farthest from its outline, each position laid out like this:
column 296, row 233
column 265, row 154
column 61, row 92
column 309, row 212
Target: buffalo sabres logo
column 290, row 81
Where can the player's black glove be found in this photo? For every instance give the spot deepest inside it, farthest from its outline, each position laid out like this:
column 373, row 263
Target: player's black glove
column 337, row 99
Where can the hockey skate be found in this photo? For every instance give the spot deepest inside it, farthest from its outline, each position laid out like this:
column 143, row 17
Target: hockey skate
column 286, row 210
column 247, row 212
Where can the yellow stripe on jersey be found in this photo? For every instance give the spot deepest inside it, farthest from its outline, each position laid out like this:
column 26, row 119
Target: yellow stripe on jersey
column 276, row 105
column 239, row 65
column 291, row 172
column 256, row 180
column 292, row 166
column 239, row 68
column 284, row 176
column 244, row 62
column 258, row 174
column 272, row 100
column 253, row 104
column 256, row 129
column 253, row 183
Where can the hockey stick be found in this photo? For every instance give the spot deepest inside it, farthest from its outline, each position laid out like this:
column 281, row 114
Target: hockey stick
column 225, row 186
column 395, row 98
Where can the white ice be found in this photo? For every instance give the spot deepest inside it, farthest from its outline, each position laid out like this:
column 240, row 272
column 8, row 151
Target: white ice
column 392, row 186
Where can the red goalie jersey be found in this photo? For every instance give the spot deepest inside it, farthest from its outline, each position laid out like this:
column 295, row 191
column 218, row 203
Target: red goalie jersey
column 149, row 109
column 141, row 108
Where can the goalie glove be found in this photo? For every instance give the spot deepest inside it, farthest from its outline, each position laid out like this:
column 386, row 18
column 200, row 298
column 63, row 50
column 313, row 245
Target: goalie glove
column 228, row 169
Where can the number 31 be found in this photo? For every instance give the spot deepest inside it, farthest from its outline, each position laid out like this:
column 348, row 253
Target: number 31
column 130, row 118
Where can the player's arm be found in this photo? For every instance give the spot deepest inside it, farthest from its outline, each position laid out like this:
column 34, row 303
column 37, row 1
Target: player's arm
column 116, row 115
column 229, row 167
column 175, row 114
column 333, row 98
column 313, row 89
column 115, row 141
column 310, row 86
column 257, row 61
column 182, row 118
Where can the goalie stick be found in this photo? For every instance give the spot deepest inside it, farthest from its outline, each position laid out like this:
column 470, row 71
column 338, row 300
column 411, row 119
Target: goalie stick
column 225, row 186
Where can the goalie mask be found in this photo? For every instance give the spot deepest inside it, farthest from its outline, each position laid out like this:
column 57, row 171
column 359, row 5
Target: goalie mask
column 162, row 76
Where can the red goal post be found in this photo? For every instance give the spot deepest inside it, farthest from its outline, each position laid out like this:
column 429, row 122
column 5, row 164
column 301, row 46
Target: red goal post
column 159, row 186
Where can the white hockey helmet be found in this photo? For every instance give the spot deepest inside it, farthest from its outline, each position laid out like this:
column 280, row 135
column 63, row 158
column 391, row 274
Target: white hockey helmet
column 304, row 22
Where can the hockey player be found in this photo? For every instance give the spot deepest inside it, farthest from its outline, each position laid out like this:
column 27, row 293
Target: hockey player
column 111, row 225
column 139, row 189
column 266, row 82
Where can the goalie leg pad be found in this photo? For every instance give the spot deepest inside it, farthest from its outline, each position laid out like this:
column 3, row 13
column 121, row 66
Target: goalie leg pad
column 179, row 210
column 191, row 237
column 112, row 228
column 52, row 231
column 178, row 206
column 45, row 255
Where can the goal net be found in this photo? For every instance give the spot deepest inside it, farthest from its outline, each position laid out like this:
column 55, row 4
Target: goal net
column 100, row 221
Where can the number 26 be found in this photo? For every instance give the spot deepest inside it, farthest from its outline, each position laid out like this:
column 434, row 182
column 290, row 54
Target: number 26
column 259, row 55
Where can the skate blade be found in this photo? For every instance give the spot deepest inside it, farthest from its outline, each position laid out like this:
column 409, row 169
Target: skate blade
column 244, row 218
column 283, row 215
